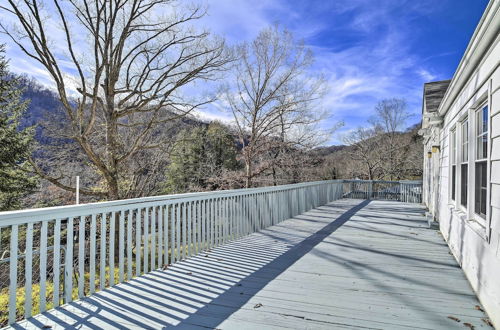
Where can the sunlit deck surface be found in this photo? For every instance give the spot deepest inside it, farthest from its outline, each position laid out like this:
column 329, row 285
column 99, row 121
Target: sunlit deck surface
column 348, row 265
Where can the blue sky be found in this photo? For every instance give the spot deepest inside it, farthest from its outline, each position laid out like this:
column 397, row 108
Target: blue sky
column 367, row 49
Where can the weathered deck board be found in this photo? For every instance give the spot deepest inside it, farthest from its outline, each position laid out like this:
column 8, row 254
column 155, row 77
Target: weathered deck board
column 348, row 265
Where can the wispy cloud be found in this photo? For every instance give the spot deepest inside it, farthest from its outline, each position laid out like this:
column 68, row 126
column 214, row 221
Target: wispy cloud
column 426, row 75
column 367, row 50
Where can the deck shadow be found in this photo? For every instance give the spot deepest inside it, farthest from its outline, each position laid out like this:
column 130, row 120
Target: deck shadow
column 262, row 276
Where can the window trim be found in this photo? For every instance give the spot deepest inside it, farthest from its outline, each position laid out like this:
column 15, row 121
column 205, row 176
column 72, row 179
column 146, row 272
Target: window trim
column 453, row 164
column 461, row 162
column 483, row 221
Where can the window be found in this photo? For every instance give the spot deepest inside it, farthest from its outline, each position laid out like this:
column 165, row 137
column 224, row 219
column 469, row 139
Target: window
column 481, row 155
column 464, row 160
column 453, row 156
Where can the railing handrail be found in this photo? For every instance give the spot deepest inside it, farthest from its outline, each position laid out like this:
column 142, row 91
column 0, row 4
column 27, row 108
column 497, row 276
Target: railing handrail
column 385, row 181
column 8, row 217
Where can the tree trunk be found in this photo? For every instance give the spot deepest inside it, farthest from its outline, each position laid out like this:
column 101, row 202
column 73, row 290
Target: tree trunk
column 112, row 138
column 274, row 176
column 248, row 174
column 370, row 174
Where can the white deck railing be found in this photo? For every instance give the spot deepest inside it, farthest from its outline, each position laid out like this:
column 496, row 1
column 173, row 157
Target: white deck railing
column 59, row 254
column 55, row 255
column 403, row 191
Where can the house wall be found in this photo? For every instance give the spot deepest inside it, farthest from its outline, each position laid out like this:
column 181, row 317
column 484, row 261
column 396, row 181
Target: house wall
column 476, row 248
column 431, row 173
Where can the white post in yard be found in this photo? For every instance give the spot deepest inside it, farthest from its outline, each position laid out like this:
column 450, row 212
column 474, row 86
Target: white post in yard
column 77, row 190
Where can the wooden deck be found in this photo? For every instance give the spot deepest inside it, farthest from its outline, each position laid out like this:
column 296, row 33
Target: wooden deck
column 352, row 264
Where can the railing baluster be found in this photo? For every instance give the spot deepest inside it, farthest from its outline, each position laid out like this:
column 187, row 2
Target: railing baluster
column 224, row 220
column 112, row 237
column 13, row 273
column 153, row 238
column 57, row 259
column 166, row 234
column 184, row 230
column 160, row 235
column 138, row 251
column 81, row 256
column 178, row 231
column 121, row 246
column 28, row 271
column 102, row 258
column 43, row 266
column 92, row 254
column 172, row 233
column 146, row 240
column 203, row 225
column 68, row 271
column 129, row 243
column 189, row 229
column 219, row 218
column 212, row 223
column 237, row 210
column 198, row 226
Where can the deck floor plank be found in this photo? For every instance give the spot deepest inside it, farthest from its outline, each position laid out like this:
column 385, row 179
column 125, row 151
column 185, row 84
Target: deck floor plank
column 351, row 264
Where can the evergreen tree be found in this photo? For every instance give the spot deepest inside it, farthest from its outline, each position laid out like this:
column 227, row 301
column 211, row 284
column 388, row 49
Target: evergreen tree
column 199, row 157
column 15, row 180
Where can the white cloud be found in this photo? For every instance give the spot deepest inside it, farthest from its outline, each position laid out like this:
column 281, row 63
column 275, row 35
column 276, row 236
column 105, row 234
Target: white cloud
column 213, row 114
column 426, row 75
column 379, row 63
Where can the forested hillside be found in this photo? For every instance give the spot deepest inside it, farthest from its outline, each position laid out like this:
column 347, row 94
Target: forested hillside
column 208, row 156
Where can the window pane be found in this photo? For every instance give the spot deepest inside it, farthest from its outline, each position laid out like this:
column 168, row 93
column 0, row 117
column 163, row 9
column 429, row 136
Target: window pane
column 479, row 122
column 482, row 147
column 480, row 189
column 465, row 141
column 482, row 133
column 485, row 146
column 463, row 185
column 483, row 202
column 485, row 119
column 453, row 147
column 453, row 181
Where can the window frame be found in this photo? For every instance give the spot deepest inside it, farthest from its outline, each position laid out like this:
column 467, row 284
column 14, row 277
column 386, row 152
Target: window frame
column 453, row 165
column 463, row 159
column 482, row 220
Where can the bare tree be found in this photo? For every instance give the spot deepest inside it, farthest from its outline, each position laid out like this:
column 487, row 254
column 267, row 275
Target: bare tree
column 120, row 70
column 385, row 149
column 273, row 98
column 365, row 151
column 390, row 119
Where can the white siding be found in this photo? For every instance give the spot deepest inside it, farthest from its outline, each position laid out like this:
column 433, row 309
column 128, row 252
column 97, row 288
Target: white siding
column 477, row 250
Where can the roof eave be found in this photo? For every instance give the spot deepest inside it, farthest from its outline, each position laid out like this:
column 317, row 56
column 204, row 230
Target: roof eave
column 484, row 35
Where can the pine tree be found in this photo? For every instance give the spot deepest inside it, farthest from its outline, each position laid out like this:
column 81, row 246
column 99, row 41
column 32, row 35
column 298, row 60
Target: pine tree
column 198, row 157
column 15, row 142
